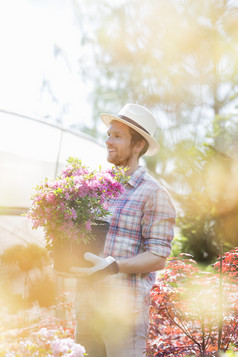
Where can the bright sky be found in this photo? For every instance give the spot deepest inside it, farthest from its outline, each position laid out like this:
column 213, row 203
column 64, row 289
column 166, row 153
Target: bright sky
column 29, row 32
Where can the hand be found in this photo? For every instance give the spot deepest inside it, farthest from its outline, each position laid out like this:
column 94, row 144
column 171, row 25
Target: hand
column 101, row 268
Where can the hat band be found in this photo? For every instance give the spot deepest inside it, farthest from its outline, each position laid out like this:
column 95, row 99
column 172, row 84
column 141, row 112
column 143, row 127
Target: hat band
column 133, row 122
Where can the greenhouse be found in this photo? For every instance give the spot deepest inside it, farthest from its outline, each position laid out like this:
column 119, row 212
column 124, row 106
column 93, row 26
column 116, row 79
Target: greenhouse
column 31, row 150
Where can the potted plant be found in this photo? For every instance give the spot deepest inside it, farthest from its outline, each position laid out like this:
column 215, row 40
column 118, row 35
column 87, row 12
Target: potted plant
column 72, row 210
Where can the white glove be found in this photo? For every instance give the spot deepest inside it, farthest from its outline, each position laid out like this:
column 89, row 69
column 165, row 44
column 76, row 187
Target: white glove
column 101, row 268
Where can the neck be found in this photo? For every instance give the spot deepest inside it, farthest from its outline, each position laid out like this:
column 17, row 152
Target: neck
column 131, row 168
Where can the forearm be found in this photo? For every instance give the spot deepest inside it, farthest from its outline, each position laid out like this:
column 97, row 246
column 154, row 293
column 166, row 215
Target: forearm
column 142, row 263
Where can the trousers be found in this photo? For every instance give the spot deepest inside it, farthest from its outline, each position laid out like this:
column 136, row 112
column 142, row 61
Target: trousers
column 107, row 336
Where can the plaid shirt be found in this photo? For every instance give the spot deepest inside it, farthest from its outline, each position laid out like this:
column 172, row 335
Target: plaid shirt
column 142, row 219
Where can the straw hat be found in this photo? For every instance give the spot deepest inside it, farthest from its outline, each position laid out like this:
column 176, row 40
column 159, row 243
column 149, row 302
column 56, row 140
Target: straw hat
column 140, row 119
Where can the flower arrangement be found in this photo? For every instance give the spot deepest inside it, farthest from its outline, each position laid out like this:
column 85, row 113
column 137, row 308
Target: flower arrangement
column 67, row 206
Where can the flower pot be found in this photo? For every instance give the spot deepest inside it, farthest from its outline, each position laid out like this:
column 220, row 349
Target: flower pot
column 71, row 253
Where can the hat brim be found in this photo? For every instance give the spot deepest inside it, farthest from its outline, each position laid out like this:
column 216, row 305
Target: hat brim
column 153, row 148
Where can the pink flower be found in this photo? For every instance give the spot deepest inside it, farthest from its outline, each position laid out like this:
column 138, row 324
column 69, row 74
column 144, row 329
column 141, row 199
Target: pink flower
column 50, row 197
column 67, row 196
column 73, row 213
column 88, row 225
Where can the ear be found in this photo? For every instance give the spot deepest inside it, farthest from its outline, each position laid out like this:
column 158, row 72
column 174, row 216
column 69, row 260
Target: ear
column 139, row 146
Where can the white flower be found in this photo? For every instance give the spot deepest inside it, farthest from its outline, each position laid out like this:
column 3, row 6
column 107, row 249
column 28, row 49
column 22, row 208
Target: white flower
column 67, row 347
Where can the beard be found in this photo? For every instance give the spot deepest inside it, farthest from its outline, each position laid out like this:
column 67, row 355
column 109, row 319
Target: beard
column 120, row 161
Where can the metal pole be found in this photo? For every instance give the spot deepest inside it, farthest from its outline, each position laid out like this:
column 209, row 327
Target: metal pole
column 58, row 153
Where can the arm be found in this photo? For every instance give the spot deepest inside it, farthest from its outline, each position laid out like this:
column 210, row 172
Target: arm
column 158, row 229
column 142, row 263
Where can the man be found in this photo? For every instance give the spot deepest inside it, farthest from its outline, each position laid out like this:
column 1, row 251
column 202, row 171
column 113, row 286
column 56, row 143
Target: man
column 112, row 300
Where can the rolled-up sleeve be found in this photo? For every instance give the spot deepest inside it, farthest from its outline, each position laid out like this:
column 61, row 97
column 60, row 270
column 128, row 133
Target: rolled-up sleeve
column 158, row 223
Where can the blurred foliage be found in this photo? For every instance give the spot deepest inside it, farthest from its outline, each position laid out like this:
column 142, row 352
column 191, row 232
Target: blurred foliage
column 186, row 305
column 26, row 257
column 209, row 203
column 43, row 290
column 180, row 59
column 39, row 287
column 14, row 302
column 173, row 56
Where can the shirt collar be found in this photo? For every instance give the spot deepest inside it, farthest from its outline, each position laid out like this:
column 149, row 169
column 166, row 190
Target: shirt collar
column 137, row 176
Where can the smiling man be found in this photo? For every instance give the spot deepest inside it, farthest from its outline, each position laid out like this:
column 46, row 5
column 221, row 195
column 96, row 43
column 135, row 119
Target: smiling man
column 113, row 296
column 121, row 151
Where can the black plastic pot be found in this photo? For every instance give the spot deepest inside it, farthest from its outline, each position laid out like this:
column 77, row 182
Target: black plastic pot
column 71, row 253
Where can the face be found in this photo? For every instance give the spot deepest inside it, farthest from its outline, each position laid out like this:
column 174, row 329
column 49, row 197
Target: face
column 119, row 150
